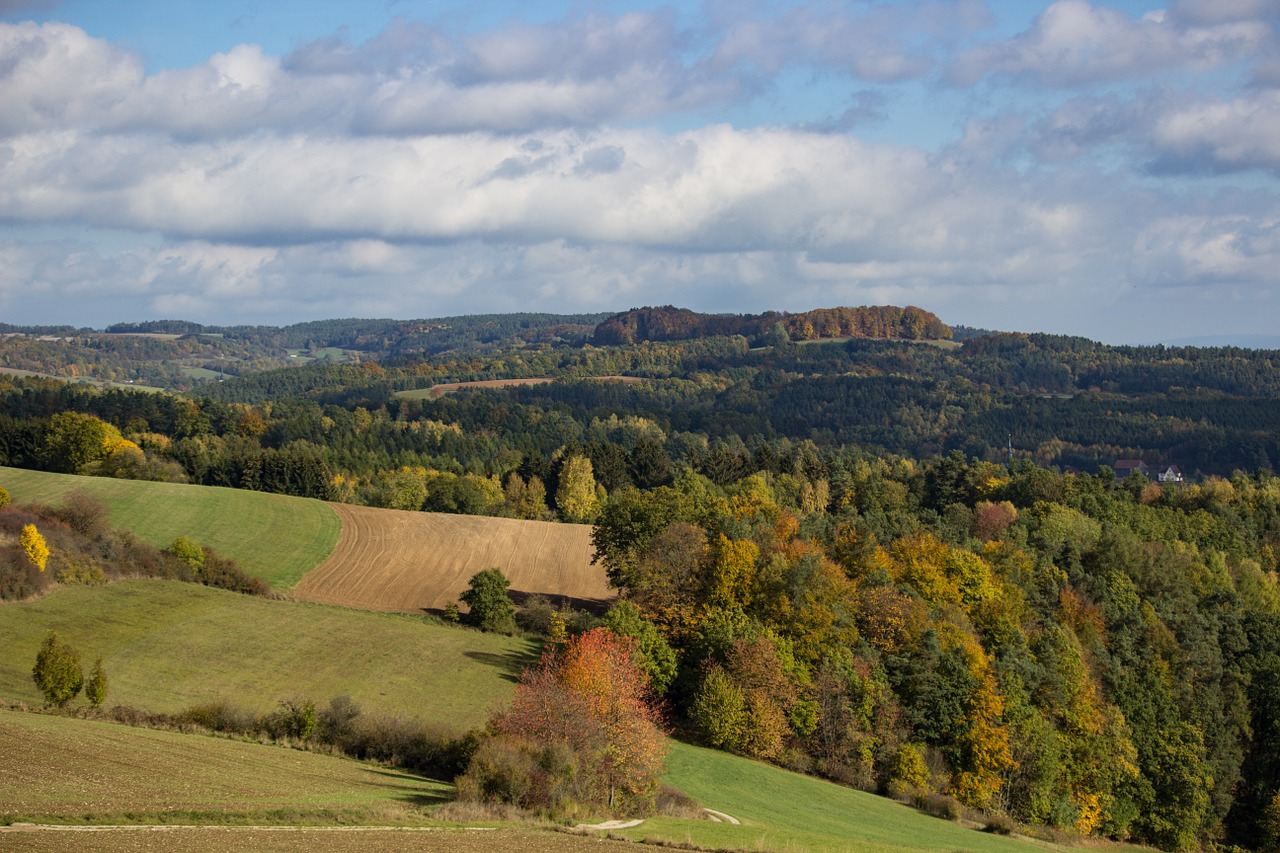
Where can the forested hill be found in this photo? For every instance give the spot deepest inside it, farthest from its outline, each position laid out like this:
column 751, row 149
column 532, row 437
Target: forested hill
column 674, row 324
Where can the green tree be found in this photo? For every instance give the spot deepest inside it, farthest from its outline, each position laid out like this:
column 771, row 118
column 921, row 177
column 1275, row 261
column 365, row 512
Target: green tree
column 490, row 607
column 657, row 658
column 95, row 689
column 74, row 440
column 57, row 671
column 189, row 552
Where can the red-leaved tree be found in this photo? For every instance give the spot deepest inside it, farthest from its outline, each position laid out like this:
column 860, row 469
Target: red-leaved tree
column 590, row 695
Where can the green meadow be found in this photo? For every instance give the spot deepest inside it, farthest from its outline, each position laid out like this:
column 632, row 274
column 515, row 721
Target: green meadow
column 274, row 537
column 166, row 777
column 167, row 645
column 786, row 811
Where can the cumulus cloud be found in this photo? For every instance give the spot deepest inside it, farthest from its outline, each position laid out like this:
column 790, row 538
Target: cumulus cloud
column 1075, row 42
column 528, row 166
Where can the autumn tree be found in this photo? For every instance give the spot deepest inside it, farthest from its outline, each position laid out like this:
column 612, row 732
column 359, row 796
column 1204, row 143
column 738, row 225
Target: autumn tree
column 57, row 671
column 590, row 696
column 34, row 546
column 576, row 497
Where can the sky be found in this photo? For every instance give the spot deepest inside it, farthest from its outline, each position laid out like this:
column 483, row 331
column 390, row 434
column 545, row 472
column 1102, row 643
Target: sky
column 1106, row 169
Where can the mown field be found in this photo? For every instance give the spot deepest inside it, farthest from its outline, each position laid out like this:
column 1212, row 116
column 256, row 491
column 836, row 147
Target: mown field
column 397, row 560
column 786, row 811
column 167, row 645
column 70, row 771
column 274, row 537
column 145, row 789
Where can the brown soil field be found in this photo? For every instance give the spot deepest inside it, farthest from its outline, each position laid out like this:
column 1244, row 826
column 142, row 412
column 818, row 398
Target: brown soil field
column 396, row 560
column 208, row 839
column 438, row 391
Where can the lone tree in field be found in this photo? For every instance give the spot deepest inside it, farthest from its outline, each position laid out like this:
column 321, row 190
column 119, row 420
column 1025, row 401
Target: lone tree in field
column 491, row 609
column 57, row 671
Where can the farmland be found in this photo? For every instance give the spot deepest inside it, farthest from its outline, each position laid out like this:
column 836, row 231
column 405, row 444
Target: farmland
column 435, row 392
column 274, row 537
column 167, row 645
column 400, row 560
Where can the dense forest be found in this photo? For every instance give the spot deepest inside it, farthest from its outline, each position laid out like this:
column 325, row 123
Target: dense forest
column 906, row 566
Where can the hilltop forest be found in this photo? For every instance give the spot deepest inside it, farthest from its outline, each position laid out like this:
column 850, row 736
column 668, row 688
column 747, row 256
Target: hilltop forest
column 846, row 542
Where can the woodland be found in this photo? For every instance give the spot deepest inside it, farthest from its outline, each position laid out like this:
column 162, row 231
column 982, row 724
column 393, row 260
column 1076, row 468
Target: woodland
column 846, row 543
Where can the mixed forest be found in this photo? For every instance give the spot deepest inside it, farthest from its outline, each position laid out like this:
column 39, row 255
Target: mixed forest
column 845, row 542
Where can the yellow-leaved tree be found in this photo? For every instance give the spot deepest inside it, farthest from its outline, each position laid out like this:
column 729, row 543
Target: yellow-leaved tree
column 34, row 545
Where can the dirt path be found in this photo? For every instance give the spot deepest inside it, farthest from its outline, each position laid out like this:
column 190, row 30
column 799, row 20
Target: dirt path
column 30, row 838
column 406, row 561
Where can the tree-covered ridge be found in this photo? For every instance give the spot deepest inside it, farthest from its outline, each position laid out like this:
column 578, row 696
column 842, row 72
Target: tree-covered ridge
column 181, row 355
column 829, row 548
column 673, row 324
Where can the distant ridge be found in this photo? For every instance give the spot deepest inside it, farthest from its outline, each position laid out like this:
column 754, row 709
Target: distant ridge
column 1242, row 341
column 669, row 323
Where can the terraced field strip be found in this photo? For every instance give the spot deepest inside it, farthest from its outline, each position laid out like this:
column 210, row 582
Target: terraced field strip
column 274, row 537
column 396, row 560
column 435, row 392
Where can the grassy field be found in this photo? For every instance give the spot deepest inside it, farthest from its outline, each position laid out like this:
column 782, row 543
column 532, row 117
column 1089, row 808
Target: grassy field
column 274, row 537
column 785, row 811
column 104, row 783
column 66, row 770
column 167, row 645
column 390, row 559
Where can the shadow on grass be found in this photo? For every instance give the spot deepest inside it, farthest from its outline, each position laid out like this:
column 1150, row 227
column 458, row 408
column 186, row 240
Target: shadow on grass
column 595, row 606
column 415, row 790
column 511, row 664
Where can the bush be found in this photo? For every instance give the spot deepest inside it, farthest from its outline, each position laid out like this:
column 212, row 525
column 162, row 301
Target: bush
column 490, row 607
column 1001, row 824
column 57, row 671
column 95, row 689
column 219, row 717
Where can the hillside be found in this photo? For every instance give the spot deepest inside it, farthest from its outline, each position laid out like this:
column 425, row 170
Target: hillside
column 390, row 559
column 674, row 324
column 168, row 645
column 273, row 537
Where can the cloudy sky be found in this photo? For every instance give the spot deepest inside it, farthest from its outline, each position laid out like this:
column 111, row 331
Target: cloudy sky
column 1106, row 169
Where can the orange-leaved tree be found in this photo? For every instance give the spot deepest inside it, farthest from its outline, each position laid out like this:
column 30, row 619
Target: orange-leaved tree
column 590, row 694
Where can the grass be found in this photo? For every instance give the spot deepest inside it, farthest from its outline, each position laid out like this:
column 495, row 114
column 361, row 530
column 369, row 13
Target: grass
column 786, row 811
column 65, row 770
column 274, row 537
column 167, row 645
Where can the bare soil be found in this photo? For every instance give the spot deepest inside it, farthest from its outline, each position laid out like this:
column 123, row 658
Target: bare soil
column 438, row 391
column 395, row 560
column 199, row 839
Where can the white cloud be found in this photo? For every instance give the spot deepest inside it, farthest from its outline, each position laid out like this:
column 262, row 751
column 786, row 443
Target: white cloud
column 1075, row 42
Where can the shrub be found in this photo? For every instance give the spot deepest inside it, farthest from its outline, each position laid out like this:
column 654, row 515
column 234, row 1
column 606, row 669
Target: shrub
column 95, row 689
column 490, row 607
column 34, row 546
column 4, row 497
column 83, row 513
column 57, row 671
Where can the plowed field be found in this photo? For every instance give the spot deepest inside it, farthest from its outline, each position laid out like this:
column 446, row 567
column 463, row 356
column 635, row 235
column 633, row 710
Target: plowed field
column 396, row 560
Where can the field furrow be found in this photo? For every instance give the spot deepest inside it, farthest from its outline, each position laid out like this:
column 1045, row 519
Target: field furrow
column 395, row 560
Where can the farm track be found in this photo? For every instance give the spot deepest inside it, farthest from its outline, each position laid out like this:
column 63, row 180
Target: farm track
column 395, row 560
column 292, row 839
